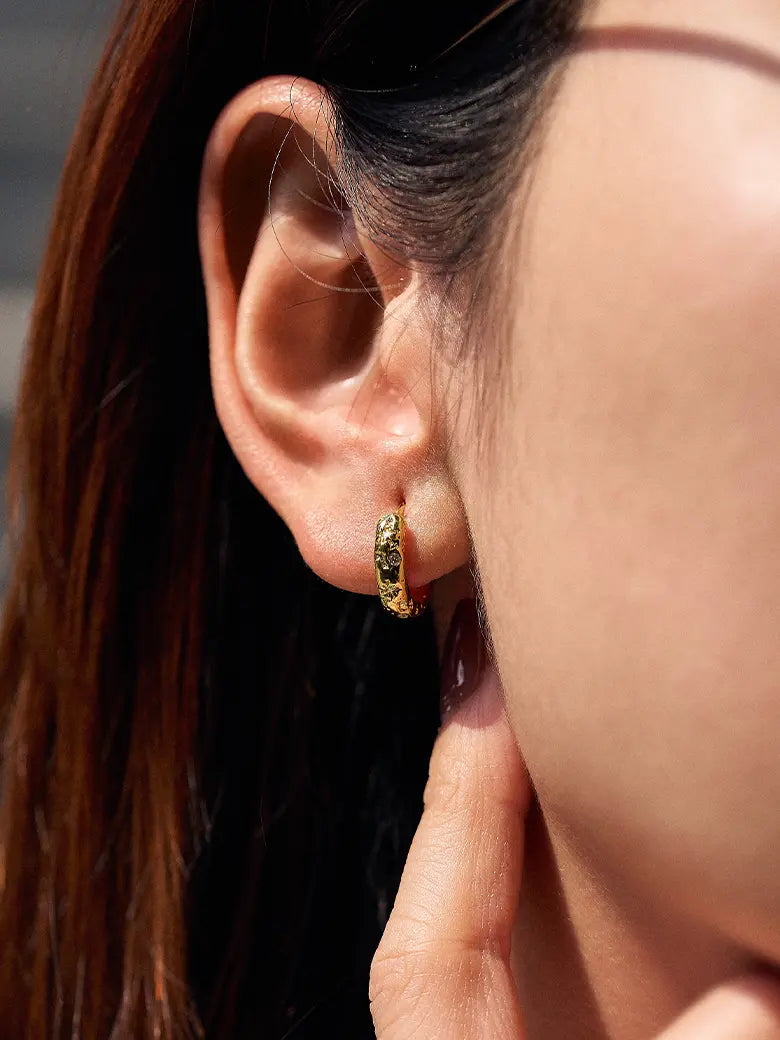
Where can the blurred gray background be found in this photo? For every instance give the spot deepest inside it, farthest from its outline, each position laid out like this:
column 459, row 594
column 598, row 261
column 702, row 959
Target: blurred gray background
column 48, row 49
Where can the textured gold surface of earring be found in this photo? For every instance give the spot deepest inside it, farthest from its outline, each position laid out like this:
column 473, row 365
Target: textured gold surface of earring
column 390, row 569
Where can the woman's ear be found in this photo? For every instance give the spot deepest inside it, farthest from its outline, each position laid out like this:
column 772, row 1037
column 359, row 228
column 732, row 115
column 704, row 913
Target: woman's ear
column 320, row 351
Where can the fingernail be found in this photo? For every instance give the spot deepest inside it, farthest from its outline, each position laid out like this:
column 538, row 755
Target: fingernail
column 463, row 658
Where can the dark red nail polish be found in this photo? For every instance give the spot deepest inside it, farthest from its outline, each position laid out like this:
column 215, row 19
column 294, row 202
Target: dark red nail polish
column 463, row 657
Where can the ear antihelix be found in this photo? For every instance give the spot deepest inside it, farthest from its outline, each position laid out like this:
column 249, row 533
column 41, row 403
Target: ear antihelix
column 389, row 564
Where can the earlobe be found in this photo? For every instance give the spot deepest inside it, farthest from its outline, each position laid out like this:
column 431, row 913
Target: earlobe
column 320, row 359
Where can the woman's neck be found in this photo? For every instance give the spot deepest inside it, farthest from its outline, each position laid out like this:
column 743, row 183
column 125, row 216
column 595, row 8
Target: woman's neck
column 592, row 964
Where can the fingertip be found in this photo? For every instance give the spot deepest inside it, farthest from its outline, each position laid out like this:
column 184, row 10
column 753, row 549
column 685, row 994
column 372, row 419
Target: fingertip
column 464, row 656
column 483, row 706
column 746, row 1007
column 476, row 750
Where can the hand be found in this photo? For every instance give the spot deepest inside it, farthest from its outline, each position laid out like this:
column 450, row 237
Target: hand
column 442, row 969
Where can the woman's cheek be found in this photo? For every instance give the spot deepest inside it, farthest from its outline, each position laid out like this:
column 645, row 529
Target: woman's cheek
column 631, row 556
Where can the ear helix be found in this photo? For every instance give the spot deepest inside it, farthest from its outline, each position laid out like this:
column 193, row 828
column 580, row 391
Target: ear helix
column 390, row 568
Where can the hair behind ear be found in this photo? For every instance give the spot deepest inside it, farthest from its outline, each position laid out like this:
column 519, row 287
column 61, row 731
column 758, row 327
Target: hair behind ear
column 208, row 775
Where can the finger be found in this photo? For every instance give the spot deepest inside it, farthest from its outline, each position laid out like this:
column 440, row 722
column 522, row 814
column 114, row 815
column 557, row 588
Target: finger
column 744, row 1008
column 442, row 967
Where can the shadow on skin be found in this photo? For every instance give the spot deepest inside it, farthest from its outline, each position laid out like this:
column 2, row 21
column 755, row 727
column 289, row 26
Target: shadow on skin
column 679, row 41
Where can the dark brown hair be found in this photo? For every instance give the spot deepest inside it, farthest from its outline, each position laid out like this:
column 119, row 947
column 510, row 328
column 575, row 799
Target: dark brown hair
column 210, row 772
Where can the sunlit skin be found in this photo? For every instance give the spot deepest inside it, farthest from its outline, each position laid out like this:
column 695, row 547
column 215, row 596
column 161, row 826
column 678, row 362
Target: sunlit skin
column 625, row 514
column 639, row 469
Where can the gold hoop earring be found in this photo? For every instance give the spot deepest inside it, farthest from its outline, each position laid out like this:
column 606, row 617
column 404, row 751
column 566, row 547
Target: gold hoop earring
column 390, row 568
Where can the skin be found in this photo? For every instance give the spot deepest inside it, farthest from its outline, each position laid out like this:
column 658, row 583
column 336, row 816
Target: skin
column 624, row 514
column 641, row 517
